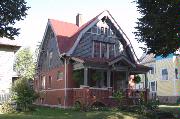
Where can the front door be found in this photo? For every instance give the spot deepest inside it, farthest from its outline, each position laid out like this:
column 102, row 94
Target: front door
column 120, row 80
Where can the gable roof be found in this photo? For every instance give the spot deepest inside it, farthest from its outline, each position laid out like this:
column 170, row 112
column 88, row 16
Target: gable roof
column 68, row 35
column 147, row 58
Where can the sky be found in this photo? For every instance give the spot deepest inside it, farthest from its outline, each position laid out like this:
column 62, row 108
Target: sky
column 33, row 26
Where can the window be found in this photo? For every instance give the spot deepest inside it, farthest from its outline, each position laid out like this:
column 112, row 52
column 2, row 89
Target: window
column 60, row 75
column 103, row 50
column 43, row 81
column 152, row 71
column 153, row 86
column 50, row 58
column 164, row 73
column 176, row 73
column 106, row 31
column 50, row 78
column 59, row 100
column 96, row 49
column 102, row 30
column 111, row 50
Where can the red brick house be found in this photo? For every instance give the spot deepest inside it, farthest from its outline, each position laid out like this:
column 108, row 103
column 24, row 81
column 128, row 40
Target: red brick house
column 84, row 63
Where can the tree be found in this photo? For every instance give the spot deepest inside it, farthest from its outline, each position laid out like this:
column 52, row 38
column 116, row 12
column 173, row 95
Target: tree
column 24, row 63
column 23, row 94
column 11, row 11
column 159, row 25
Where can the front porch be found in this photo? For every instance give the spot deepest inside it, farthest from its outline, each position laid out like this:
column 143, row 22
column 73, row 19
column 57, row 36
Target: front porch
column 98, row 80
column 88, row 96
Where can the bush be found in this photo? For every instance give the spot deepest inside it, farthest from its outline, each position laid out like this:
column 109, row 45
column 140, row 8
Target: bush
column 118, row 95
column 23, row 94
column 7, row 107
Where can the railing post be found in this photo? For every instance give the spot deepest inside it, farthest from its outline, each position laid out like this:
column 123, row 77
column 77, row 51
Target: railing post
column 85, row 76
column 108, row 78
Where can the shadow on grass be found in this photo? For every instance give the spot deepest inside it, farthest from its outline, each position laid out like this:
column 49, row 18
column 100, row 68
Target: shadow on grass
column 52, row 113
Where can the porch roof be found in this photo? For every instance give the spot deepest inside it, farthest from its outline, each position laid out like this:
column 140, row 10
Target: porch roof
column 140, row 69
column 135, row 68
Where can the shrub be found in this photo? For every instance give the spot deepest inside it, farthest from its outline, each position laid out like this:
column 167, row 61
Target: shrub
column 23, row 94
column 137, row 79
column 7, row 107
column 118, row 95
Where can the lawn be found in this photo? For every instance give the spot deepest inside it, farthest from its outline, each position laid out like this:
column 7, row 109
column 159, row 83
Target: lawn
column 47, row 113
column 171, row 108
column 54, row 113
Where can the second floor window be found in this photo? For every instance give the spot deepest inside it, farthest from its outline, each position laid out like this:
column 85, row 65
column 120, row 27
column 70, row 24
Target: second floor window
column 50, row 58
column 164, row 74
column 152, row 71
column 111, row 50
column 176, row 73
column 103, row 50
column 96, row 49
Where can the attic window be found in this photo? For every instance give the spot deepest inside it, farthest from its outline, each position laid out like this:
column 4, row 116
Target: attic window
column 106, row 31
column 102, row 30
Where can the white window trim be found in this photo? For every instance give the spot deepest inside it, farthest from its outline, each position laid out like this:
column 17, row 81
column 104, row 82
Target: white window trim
column 150, row 72
column 161, row 74
column 150, row 85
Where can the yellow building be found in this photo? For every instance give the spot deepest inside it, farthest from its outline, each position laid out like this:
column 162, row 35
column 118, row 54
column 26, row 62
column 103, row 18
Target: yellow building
column 163, row 79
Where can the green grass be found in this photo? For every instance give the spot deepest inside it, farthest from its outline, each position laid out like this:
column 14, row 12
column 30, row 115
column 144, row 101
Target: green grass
column 54, row 113
column 47, row 113
column 175, row 109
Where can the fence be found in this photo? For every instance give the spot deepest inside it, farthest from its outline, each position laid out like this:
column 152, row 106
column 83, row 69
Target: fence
column 4, row 97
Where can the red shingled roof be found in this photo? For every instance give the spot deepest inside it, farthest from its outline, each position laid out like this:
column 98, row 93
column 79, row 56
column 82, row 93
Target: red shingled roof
column 67, row 33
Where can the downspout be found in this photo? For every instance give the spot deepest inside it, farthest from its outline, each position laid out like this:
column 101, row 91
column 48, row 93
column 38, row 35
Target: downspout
column 65, row 78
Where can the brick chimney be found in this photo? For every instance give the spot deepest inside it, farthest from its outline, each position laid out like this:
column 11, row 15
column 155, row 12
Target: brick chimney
column 79, row 20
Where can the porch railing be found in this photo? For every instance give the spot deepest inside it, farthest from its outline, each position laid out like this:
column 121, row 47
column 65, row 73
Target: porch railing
column 87, row 95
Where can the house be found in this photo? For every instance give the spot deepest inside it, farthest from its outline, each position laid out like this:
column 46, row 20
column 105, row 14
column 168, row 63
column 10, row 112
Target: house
column 84, row 64
column 163, row 79
column 8, row 49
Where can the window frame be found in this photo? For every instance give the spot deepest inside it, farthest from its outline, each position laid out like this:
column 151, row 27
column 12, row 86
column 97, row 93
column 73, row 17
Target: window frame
column 176, row 74
column 154, row 70
column 162, row 74
column 62, row 77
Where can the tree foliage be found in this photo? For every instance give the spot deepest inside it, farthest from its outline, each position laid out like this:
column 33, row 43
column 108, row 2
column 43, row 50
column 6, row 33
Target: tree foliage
column 11, row 11
column 24, row 63
column 159, row 25
column 23, row 94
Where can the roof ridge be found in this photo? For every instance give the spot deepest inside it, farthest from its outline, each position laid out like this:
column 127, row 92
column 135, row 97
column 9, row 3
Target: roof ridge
column 62, row 21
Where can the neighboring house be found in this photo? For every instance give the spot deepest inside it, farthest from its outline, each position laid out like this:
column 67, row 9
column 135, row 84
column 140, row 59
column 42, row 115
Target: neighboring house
column 8, row 49
column 84, row 63
column 163, row 79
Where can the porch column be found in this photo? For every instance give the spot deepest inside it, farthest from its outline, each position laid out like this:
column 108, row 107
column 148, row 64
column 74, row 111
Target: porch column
column 108, row 78
column 146, row 81
column 85, row 76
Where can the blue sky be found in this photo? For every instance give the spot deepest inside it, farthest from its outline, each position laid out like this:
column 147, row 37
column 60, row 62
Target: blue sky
column 33, row 27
